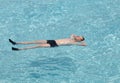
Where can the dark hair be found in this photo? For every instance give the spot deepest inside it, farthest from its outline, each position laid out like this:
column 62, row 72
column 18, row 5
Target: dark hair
column 83, row 38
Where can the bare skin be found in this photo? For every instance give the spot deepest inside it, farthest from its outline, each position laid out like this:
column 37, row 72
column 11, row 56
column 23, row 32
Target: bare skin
column 73, row 40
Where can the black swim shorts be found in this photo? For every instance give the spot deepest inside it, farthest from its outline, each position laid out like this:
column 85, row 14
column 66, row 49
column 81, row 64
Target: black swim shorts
column 52, row 43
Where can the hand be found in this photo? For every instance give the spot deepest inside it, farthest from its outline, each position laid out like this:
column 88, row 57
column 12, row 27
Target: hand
column 83, row 44
column 72, row 36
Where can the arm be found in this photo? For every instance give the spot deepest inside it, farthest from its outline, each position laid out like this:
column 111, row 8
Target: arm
column 81, row 44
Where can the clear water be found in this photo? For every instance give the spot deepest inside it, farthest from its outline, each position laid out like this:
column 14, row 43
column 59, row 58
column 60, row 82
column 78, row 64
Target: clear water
column 27, row 20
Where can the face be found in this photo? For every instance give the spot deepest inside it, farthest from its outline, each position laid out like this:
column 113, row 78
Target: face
column 79, row 38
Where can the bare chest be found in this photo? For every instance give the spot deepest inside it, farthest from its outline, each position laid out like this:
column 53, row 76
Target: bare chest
column 66, row 41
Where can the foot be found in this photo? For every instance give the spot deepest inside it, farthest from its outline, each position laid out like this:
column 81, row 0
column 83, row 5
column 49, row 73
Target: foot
column 14, row 43
column 15, row 49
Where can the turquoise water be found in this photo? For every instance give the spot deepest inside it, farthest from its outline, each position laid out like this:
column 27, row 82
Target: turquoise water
column 27, row 20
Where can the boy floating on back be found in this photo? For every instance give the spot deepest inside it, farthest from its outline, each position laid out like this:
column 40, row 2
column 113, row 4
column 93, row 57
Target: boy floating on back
column 73, row 40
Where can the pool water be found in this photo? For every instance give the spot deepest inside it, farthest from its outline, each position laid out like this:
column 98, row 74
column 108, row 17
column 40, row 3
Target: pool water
column 26, row 20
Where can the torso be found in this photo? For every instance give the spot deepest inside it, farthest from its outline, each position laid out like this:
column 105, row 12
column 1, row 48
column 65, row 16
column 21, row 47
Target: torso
column 66, row 41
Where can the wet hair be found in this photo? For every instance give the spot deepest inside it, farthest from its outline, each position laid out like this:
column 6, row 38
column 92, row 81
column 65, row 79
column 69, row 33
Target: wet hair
column 83, row 38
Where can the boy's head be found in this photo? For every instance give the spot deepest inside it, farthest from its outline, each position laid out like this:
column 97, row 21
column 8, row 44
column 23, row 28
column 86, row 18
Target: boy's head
column 79, row 38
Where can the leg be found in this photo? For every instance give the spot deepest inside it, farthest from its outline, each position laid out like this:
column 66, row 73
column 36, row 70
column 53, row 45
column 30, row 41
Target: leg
column 33, row 42
column 26, row 48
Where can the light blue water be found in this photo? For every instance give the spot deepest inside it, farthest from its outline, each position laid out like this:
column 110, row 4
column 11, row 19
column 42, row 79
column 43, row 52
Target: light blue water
column 26, row 20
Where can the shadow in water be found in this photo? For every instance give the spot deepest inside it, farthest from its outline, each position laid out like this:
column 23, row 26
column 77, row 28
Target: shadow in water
column 61, row 66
